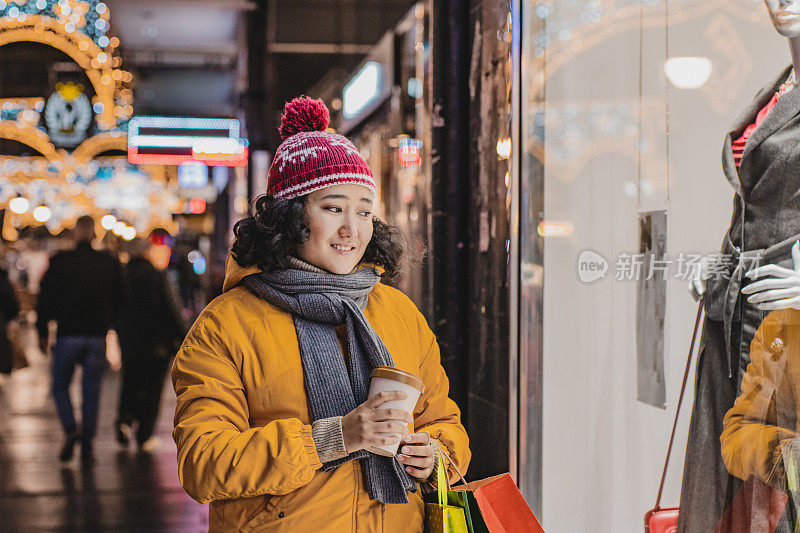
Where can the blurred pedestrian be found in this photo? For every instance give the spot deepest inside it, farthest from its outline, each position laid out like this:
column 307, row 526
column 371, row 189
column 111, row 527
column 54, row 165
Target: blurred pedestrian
column 150, row 330
column 82, row 292
column 9, row 307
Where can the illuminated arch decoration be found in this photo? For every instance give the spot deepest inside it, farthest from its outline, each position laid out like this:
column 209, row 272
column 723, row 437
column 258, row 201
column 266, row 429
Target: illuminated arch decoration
column 587, row 23
column 35, row 138
column 41, row 187
column 71, row 184
column 575, row 28
column 578, row 132
column 113, row 101
column 118, row 188
column 98, row 144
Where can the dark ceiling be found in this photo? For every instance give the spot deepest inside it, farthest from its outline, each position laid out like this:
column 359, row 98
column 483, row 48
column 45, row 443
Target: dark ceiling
column 237, row 58
column 190, row 56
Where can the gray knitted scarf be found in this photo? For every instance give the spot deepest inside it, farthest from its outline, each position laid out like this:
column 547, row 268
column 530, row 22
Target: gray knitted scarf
column 319, row 301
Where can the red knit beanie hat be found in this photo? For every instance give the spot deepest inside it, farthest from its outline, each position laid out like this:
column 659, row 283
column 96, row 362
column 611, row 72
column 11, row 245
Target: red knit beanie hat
column 309, row 158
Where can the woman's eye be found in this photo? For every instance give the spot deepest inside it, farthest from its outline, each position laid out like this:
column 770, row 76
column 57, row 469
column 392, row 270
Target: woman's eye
column 366, row 213
column 333, row 209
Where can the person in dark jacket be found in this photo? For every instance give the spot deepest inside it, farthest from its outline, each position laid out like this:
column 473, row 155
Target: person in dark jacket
column 9, row 307
column 151, row 329
column 82, row 292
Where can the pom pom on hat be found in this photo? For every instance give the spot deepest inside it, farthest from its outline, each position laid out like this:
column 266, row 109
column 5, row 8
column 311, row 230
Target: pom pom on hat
column 310, row 158
column 303, row 114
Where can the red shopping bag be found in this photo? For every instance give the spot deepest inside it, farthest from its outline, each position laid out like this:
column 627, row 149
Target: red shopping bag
column 756, row 508
column 502, row 506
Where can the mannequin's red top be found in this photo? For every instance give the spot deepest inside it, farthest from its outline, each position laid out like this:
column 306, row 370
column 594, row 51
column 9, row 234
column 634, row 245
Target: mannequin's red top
column 739, row 144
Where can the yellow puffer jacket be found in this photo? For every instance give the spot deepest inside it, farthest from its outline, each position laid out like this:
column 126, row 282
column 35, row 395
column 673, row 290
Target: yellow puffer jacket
column 243, row 429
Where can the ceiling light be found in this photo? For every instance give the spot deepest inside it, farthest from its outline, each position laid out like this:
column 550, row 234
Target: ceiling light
column 688, row 72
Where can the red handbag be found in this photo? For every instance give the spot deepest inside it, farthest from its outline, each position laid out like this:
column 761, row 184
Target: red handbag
column 661, row 520
column 665, row 520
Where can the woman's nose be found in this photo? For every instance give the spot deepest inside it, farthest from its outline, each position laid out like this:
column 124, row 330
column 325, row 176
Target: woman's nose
column 347, row 231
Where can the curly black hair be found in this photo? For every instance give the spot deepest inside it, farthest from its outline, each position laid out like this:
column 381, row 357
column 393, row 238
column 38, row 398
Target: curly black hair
column 277, row 228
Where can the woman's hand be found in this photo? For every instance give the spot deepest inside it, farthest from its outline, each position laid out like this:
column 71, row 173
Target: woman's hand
column 781, row 289
column 360, row 427
column 417, row 454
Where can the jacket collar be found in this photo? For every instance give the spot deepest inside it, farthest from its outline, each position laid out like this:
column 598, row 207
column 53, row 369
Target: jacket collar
column 787, row 107
column 784, row 110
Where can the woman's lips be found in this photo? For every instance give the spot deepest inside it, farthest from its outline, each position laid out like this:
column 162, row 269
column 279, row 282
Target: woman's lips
column 343, row 252
column 786, row 16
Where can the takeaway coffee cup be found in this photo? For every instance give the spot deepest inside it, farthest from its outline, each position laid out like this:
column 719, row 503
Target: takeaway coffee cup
column 386, row 378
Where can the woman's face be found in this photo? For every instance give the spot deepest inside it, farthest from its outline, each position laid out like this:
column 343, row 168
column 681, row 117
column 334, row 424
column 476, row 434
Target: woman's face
column 337, row 216
column 785, row 15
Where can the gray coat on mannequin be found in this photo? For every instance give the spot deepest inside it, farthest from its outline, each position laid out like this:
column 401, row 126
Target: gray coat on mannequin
column 764, row 227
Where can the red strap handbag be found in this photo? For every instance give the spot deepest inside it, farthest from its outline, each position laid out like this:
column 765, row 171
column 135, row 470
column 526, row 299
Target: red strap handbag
column 665, row 520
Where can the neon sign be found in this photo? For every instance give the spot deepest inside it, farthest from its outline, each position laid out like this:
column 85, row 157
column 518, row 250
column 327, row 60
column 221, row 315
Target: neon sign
column 175, row 140
column 409, row 152
column 362, row 90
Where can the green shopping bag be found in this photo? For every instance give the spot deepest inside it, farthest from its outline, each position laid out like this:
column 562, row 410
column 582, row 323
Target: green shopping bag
column 449, row 513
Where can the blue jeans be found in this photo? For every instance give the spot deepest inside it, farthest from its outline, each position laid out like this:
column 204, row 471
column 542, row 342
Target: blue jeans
column 90, row 353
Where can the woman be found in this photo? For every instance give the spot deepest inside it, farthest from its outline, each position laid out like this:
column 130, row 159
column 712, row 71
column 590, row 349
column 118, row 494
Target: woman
column 273, row 419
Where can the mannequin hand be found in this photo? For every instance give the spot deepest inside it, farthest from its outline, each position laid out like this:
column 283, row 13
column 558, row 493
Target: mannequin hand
column 360, row 427
column 417, row 455
column 780, row 289
column 697, row 285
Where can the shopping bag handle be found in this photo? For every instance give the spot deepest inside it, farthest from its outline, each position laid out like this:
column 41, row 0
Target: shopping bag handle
column 450, row 461
column 680, row 399
column 443, row 485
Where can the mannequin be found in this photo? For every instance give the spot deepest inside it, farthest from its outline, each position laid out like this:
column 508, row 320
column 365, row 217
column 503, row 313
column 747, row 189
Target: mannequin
column 763, row 265
column 781, row 287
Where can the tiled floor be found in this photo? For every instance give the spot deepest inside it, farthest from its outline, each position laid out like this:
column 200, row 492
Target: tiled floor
column 123, row 490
